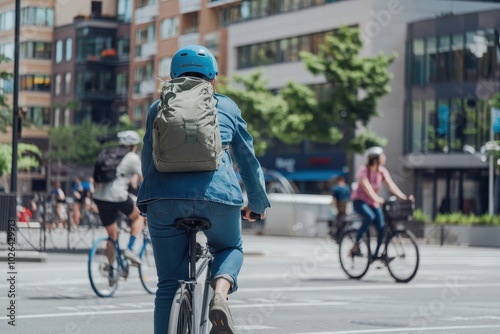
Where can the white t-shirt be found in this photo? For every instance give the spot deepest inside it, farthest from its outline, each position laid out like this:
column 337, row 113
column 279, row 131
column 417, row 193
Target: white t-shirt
column 117, row 190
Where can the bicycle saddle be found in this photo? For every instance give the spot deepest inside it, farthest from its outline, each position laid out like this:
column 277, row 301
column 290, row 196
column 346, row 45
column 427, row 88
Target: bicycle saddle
column 192, row 224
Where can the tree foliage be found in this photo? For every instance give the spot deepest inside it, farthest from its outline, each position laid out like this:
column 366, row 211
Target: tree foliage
column 27, row 157
column 355, row 86
column 259, row 107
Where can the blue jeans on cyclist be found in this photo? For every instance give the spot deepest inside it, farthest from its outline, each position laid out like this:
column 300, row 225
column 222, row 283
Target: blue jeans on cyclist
column 170, row 247
column 369, row 215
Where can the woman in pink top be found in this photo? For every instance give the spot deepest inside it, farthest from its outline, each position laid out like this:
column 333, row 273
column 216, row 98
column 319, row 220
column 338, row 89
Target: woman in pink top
column 366, row 201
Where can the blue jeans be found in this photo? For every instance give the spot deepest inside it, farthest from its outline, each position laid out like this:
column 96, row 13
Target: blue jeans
column 170, row 247
column 369, row 215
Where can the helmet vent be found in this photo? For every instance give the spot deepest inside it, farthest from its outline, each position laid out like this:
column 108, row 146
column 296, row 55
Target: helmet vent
column 201, row 54
column 184, row 54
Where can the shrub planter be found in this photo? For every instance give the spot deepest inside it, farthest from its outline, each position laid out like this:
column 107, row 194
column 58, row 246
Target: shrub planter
column 485, row 236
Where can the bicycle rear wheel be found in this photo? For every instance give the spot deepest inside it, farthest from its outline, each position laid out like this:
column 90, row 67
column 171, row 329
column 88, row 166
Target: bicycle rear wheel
column 354, row 265
column 402, row 256
column 147, row 269
column 102, row 267
column 181, row 313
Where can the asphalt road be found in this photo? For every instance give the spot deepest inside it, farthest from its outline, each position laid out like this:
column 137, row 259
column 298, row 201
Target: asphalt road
column 287, row 286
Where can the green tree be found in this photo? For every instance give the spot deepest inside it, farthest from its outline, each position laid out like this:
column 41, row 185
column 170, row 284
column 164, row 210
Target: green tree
column 355, row 84
column 29, row 156
column 259, row 107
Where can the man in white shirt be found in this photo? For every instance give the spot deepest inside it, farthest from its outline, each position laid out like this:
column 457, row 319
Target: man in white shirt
column 113, row 197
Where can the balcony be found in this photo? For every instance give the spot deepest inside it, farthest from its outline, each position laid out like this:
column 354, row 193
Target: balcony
column 188, row 6
column 147, row 87
column 146, row 50
column 146, row 14
column 212, row 42
column 190, row 38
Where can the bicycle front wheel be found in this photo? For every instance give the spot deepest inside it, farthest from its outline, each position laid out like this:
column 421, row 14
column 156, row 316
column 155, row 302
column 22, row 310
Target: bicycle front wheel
column 102, row 267
column 181, row 313
column 402, row 256
column 354, row 264
column 147, row 269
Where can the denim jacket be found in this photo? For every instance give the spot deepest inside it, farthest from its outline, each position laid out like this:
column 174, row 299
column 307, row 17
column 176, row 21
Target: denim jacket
column 220, row 185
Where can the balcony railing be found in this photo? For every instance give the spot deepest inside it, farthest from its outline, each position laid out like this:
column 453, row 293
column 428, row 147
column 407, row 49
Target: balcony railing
column 146, row 14
column 188, row 6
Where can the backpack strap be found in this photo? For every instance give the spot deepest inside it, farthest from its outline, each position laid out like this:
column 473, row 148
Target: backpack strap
column 191, row 129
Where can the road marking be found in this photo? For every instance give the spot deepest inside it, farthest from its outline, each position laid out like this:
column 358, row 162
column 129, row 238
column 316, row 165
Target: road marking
column 98, row 310
column 406, row 329
column 370, row 287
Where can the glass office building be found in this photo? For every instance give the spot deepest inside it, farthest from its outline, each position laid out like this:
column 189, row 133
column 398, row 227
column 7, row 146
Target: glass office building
column 453, row 70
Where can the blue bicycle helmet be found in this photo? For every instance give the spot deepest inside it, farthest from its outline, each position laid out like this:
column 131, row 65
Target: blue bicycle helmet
column 194, row 58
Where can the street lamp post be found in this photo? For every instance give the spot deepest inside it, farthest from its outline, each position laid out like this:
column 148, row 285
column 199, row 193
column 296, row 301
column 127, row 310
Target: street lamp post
column 15, row 97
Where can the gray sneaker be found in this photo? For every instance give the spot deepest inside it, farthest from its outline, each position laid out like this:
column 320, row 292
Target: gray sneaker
column 220, row 316
column 136, row 260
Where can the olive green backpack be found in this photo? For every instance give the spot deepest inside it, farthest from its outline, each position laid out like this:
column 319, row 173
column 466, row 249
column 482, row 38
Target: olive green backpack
column 186, row 135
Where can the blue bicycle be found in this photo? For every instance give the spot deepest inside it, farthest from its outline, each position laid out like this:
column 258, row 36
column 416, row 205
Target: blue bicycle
column 107, row 265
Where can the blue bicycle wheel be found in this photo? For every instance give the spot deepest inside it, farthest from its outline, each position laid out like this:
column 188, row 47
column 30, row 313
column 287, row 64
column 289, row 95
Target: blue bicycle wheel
column 147, row 269
column 103, row 268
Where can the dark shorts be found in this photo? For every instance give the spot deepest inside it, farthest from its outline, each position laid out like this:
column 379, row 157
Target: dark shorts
column 108, row 211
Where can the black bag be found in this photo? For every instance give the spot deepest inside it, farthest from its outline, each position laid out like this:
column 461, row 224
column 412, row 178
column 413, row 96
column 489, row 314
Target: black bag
column 107, row 162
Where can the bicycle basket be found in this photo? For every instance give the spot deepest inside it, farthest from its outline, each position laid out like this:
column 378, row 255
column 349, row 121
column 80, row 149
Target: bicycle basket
column 399, row 210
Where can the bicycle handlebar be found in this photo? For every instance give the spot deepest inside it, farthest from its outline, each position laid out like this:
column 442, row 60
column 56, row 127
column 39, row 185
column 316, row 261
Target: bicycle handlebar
column 253, row 215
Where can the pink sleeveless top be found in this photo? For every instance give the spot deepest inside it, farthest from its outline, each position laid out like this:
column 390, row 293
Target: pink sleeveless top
column 376, row 179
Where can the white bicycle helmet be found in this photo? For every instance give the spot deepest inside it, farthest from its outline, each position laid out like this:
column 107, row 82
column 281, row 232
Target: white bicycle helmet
column 128, row 138
column 374, row 151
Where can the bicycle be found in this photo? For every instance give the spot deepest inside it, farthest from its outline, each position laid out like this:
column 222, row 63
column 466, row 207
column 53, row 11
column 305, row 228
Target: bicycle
column 399, row 247
column 107, row 265
column 190, row 306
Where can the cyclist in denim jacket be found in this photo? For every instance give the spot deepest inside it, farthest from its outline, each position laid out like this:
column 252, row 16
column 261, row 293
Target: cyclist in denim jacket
column 215, row 195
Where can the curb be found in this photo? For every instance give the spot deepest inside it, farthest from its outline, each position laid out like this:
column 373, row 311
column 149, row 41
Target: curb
column 23, row 256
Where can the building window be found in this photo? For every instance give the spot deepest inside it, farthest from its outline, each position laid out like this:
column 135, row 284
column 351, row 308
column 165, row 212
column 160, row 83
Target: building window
column 486, row 63
column 138, row 112
column 457, row 58
column 67, row 83
column 67, row 115
column 124, row 10
column 443, row 58
column 164, row 67
column 94, row 44
column 100, row 81
column 430, row 60
column 57, row 116
column 475, row 48
column 418, row 62
column 35, row 82
column 59, row 51
column 279, row 51
column 6, row 86
column 144, row 3
column 69, row 48
column 169, row 28
column 7, row 50
column 141, row 74
column 57, row 89
column 38, row 115
column 7, row 20
column 417, row 119
column 38, row 16
column 123, row 47
column 122, row 83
